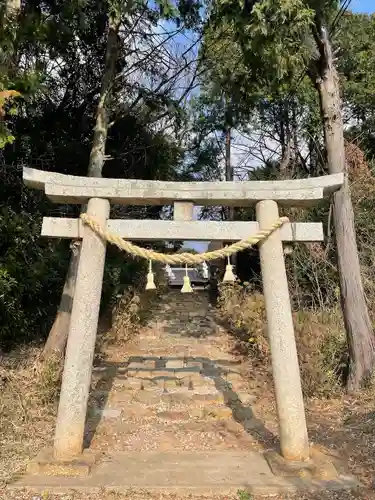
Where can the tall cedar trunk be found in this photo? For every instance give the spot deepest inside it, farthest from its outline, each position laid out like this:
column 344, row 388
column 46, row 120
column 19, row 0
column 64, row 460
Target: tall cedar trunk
column 294, row 140
column 286, row 155
column 58, row 335
column 228, row 165
column 359, row 332
column 286, row 141
column 217, row 266
column 229, row 177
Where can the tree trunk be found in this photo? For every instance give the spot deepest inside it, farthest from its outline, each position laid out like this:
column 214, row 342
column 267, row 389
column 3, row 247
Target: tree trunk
column 360, row 338
column 228, row 165
column 55, row 345
column 286, row 157
column 286, row 141
column 229, row 176
column 58, row 334
column 294, row 139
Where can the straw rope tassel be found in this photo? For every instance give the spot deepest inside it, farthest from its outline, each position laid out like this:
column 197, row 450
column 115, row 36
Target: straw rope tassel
column 229, row 277
column 150, row 285
column 187, row 286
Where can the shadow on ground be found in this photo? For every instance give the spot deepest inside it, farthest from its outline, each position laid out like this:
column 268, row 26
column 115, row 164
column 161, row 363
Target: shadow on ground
column 217, row 370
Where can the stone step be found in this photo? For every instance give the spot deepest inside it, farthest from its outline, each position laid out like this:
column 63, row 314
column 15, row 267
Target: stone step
column 176, row 312
column 182, row 395
column 199, row 413
column 169, row 367
column 128, row 410
column 183, row 378
column 180, row 312
column 171, row 382
column 144, row 383
column 168, row 362
column 155, row 396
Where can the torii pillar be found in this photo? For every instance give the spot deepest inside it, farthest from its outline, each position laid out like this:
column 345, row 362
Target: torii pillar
column 294, row 441
column 71, row 417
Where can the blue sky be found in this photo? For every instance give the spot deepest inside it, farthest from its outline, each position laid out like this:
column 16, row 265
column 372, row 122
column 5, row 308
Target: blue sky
column 367, row 6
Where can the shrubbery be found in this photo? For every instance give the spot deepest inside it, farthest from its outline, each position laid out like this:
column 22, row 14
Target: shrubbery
column 32, row 273
column 320, row 338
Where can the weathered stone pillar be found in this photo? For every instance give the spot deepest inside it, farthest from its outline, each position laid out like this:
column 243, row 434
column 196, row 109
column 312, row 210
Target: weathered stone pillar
column 286, row 374
column 81, row 342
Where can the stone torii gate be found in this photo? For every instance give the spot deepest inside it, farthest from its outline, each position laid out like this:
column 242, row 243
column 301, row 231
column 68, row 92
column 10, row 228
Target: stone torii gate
column 99, row 193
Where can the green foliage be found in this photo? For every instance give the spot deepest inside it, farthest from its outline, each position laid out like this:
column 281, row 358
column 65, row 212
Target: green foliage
column 356, row 62
column 167, row 9
column 356, row 66
column 31, row 277
column 269, row 34
column 244, row 495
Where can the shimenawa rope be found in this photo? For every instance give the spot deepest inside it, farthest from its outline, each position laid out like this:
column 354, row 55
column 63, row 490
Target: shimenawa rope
column 181, row 258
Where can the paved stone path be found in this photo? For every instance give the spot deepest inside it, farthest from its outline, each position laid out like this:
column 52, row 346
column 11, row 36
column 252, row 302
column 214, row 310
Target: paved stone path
column 177, row 387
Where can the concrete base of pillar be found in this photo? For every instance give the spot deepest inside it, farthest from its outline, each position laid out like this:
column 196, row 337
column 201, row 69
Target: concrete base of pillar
column 320, row 466
column 45, row 464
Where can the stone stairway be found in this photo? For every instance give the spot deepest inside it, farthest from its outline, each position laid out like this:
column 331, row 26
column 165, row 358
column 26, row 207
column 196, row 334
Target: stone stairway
column 176, row 387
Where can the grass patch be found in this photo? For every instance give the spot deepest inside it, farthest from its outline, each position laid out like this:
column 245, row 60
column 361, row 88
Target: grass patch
column 27, row 409
column 320, row 338
column 244, row 495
